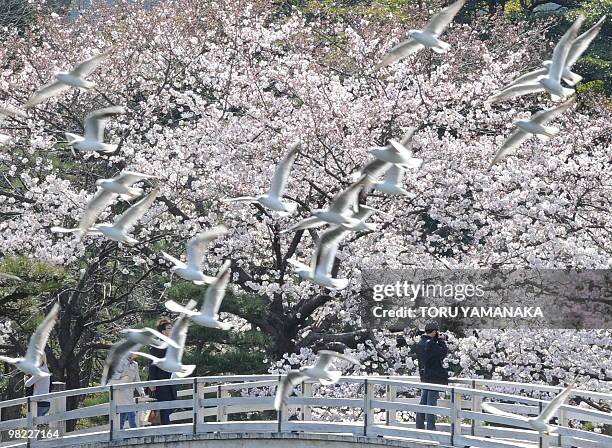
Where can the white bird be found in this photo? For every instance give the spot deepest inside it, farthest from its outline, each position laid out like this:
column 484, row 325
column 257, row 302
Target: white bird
column 196, row 247
column 4, row 139
column 552, row 80
column 117, row 231
column 64, row 80
column 578, row 47
column 5, row 276
column 95, row 123
column 30, row 364
column 533, row 126
column 425, row 38
column 344, row 205
column 208, row 316
column 109, row 190
column 135, row 338
column 322, row 260
column 171, row 362
column 539, row 423
column 272, row 199
column 392, row 183
column 320, row 371
column 397, row 154
column 362, row 215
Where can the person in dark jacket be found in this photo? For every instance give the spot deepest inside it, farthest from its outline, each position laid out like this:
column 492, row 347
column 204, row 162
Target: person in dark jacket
column 431, row 350
column 162, row 393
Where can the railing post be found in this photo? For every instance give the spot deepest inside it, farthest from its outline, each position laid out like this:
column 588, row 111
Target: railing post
column 112, row 413
column 562, row 421
column 454, row 415
column 58, row 406
column 279, row 413
column 391, row 395
column 307, row 393
column 476, row 407
column 543, row 442
column 368, row 412
column 195, row 405
column 29, row 420
column 221, row 409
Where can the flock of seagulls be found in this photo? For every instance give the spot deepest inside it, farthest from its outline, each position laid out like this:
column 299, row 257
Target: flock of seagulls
column 343, row 215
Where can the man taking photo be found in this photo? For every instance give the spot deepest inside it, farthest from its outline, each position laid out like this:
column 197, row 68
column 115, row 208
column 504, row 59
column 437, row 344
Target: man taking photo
column 431, row 350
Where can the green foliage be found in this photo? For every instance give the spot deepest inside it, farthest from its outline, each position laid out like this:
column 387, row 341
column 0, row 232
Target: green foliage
column 592, row 86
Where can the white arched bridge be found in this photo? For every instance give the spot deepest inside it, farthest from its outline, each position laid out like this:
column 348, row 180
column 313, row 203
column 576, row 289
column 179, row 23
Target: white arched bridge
column 237, row 411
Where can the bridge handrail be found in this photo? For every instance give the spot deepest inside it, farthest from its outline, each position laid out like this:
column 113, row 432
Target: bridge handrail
column 375, row 393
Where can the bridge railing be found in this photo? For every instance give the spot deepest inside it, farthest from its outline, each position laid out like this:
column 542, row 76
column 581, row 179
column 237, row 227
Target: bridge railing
column 370, row 406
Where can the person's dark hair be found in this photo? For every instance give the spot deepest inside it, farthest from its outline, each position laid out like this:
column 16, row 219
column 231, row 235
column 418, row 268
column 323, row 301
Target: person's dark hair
column 162, row 324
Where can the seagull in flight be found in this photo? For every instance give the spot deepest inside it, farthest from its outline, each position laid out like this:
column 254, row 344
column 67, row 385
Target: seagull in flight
column 536, row 125
column 135, row 338
column 320, row 371
column 429, row 37
column 171, row 362
column 30, row 364
column 579, row 46
column 322, row 260
column 208, row 316
column 108, row 191
column 567, row 51
column 272, row 199
column 363, row 214
column 64, row 80
column 196, row 247
column 397, row 154
column 95, row 123
column 539, row 423
column 392, row 183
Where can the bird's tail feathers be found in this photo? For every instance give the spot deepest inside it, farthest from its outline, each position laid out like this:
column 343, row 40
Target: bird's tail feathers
column 187, row 370
column 572, row 78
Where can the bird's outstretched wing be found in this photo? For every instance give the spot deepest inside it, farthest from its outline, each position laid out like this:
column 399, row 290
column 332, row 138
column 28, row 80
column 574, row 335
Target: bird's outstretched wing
column 544, row 116
column 281, row 175
column 514, row 140
column 179, row 334
column 528, row 78
column 129, row 217
column 102, row 199
column 495, row 411
column 338, row 355
column 399, row 52
column 175, row 307
column 514, row 91
column 116, row 354
column 128, row 178
column 347, row 198
column 216, row 291
column 549, row 411
column 38, row 341
column 86, row 67
column 438, row 23
column 197, row 246
column 95, row 121
column 45, row 92
column 327, row 248
column 411, row 161
column 160, row 336
column 561, row 51
column 582, row 42
column 284, row 389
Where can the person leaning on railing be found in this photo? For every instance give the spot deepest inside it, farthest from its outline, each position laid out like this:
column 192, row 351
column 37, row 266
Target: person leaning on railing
column 431, row 351
column 162, row 393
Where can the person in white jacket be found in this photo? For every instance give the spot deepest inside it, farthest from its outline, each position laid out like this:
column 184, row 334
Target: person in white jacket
column 127, row 372
column 42, row 385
